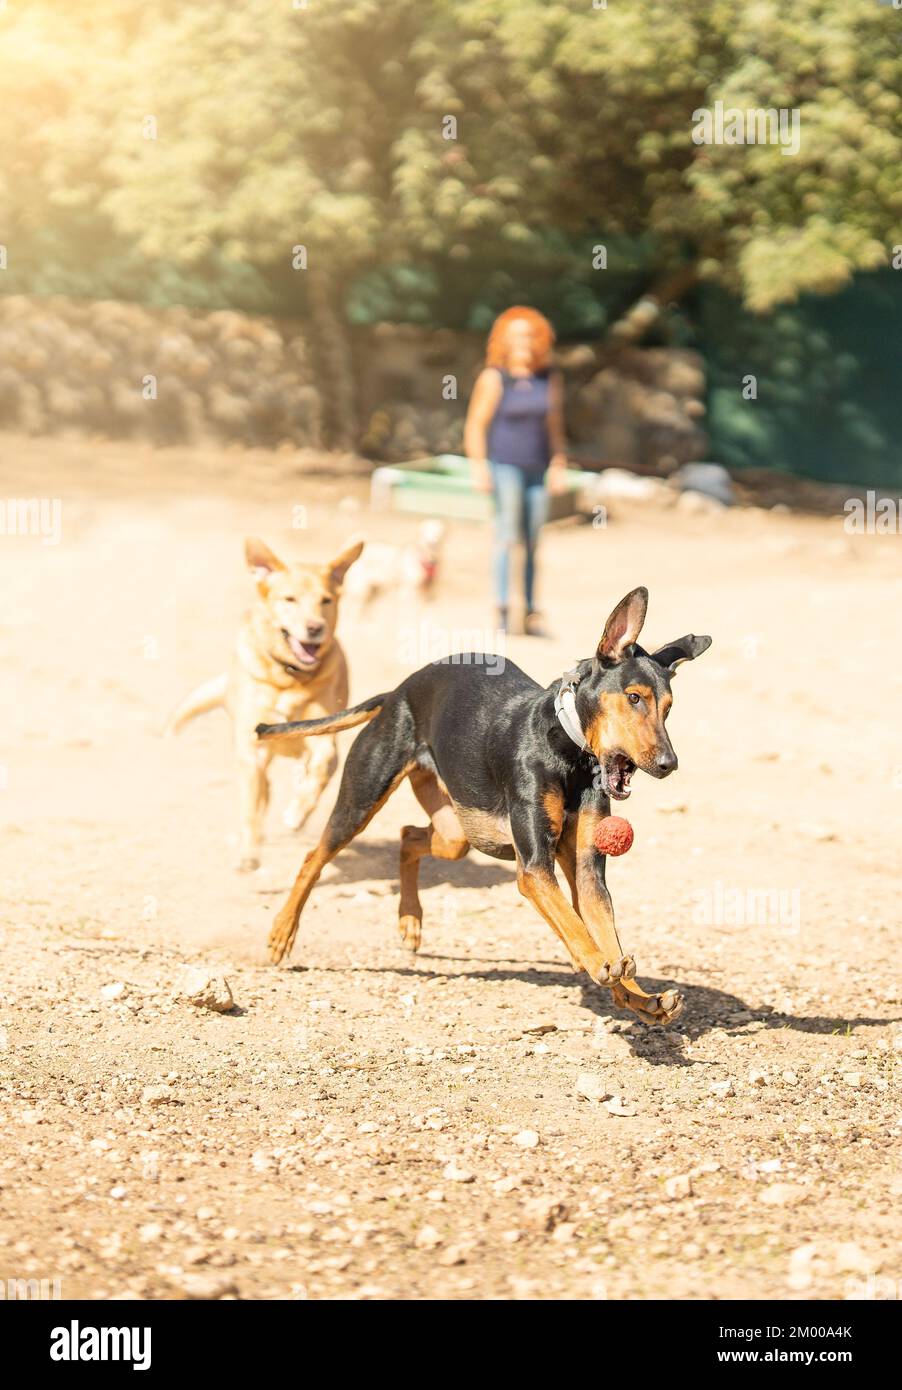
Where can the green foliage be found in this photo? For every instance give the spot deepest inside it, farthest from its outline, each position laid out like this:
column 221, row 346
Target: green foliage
column 324, row 127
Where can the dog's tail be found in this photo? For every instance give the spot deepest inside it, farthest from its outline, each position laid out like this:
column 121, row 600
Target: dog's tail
column 332, row 724
column 208, row 696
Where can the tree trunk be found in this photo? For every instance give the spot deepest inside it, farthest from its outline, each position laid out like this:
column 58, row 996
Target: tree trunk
column 635, row 323
column 332, row 360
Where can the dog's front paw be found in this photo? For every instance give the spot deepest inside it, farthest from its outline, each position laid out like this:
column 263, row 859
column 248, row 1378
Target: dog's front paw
column 650, row 1008
column 281, row 938
column 411, row 929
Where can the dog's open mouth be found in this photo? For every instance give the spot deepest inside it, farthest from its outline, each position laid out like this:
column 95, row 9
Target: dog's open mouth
column 617, row 774
column 304, row 653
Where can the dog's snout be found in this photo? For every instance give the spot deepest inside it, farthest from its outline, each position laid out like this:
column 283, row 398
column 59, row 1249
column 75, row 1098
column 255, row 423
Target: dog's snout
column 315, row 629
column 666, row 762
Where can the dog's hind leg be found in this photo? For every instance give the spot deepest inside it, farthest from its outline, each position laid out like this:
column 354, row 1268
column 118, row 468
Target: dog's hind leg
column 443, row 839
column 414, row 844
column 379, row 760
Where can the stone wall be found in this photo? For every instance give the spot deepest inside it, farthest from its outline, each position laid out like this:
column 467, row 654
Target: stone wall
column 639, row 408
column 82, row 367
column 119, row 370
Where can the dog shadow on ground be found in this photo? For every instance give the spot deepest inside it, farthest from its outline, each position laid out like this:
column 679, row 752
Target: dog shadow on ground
column 705, row 1009
column 364, row 860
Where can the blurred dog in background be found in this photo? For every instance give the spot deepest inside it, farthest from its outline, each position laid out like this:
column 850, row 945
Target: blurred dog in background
column 287, row 665
column 409, row 571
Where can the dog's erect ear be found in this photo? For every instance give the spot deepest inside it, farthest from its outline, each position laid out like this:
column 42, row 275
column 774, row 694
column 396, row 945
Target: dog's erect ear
column 683, row 649
column 623, row 626
column 260, row 560
column 343, row 562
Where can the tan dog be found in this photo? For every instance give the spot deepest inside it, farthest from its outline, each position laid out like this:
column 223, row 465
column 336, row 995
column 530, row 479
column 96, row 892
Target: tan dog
column 287, row 665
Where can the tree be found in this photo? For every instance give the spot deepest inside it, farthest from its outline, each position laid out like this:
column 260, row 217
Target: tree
column 478, row 144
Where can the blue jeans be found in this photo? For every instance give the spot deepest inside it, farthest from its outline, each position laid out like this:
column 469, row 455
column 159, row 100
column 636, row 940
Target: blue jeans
column 521, row 505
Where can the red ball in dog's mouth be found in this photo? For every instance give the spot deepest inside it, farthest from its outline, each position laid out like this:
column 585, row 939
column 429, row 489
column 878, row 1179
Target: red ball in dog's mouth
column 614, row 835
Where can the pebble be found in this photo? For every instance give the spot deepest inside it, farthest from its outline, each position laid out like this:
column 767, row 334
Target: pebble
column 544, row 1213
column 613, row 1046
column 451, row 1173
column 782, row 1194
column 678, row 1186
column 853, row 1078
column 800, row 1276
column 205, row 990
column 527, row 1139
column 757, row 1078
column 114, row 991
column 203, row 1286
column 427, row 1238
column 566, row 1231
column 159, row 1095
column 592, row 1087
column 618, row 1106
column 723, row 1088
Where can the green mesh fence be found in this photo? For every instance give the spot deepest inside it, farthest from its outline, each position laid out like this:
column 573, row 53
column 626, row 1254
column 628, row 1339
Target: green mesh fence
column 829, row 383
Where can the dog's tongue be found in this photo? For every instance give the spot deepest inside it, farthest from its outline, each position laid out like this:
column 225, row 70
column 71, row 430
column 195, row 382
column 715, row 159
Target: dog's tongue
column 304, row 651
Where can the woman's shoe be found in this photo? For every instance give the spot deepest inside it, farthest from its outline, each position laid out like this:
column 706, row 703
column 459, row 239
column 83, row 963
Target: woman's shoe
column 534, row 624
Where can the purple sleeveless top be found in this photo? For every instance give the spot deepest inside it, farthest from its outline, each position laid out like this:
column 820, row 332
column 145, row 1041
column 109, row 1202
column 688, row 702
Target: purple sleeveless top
column 518, row 433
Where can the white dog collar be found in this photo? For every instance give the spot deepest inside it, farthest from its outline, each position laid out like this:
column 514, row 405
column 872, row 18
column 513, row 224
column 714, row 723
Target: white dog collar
column 565, row 709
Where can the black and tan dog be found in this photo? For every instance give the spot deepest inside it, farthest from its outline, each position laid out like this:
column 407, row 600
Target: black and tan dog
column 518, row 772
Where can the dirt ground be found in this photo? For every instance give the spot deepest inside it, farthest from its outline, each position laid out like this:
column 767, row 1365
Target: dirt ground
column 371, row 1125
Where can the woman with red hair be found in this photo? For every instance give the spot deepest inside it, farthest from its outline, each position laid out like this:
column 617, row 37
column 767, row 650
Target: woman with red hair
column 514, row 439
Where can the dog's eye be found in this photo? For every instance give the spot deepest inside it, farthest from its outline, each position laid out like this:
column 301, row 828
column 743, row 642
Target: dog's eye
column 325, row 601
column 289, row 598
column 633, row 697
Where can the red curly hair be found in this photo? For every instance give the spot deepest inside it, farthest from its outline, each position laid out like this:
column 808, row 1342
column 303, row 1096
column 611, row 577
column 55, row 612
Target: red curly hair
column 543, row 338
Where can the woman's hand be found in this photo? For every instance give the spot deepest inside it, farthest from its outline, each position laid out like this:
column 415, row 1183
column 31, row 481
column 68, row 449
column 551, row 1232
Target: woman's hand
column 481, row 475
column 557, row 475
